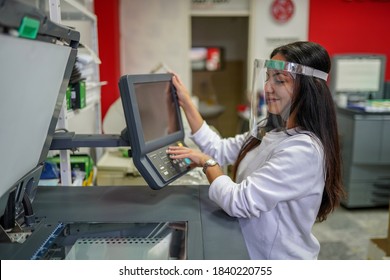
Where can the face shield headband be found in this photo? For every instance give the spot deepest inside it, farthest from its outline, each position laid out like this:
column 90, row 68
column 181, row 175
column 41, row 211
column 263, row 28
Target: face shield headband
column 296, row 69
column 273, row 86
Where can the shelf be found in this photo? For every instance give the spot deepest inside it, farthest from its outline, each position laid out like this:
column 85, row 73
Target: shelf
column 76, row 10
column 93, row 85
column 79, row 15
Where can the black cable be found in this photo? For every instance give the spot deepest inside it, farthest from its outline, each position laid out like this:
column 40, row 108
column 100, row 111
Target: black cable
column 8, row 219
column 28, row 210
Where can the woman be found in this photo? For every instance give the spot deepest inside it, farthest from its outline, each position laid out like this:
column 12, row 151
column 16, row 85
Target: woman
column 288, row 171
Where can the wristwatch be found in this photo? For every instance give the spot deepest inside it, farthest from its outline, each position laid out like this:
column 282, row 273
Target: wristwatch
column 209, row 162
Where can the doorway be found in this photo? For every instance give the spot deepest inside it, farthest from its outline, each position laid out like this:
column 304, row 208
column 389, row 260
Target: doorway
column 221, row 89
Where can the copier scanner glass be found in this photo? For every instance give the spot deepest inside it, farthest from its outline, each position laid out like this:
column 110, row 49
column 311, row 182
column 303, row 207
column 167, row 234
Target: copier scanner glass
column 153, row 122
column 115, row 241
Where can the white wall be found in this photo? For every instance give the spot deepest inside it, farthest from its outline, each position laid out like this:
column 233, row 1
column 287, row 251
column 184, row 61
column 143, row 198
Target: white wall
column 155, row 31
column 265, row 33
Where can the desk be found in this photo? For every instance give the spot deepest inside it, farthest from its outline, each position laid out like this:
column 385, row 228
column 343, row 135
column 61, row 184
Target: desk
column 115, row 170
column 212, row 234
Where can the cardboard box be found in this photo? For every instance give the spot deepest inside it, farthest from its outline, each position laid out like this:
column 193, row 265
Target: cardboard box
column 379, row 248
column 115, row 169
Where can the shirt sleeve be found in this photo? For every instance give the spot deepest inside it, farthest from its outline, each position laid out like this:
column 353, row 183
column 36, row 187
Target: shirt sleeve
column 294, row 170
column 224, row 151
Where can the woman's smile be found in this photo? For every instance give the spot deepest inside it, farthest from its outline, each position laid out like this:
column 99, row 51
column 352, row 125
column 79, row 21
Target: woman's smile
column 272, row 99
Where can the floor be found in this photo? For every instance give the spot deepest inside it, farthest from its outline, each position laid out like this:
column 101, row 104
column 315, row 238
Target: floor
column 346, row 234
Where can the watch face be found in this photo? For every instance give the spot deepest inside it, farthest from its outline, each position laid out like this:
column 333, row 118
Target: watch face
column 209, row 162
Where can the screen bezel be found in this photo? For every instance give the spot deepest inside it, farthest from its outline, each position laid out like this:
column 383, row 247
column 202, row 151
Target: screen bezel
column 133, row 117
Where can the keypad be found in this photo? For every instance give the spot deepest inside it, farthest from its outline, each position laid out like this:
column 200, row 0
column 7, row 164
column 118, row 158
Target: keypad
column 168, row 168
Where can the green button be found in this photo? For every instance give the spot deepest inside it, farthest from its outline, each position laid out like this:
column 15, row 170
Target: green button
column 29, row 28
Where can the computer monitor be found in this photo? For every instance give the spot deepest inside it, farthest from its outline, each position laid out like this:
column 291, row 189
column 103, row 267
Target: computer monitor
column 153, row 122
column 358, row 74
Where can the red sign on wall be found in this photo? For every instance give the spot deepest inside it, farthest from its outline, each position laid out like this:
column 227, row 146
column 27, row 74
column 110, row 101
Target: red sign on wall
column 282, row 10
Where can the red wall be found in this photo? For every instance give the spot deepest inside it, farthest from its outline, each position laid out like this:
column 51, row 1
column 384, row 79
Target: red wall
column 351, row 26
column 109, row 49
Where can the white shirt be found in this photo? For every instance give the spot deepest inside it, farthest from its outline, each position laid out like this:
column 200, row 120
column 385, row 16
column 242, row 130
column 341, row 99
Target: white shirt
column 278, row 194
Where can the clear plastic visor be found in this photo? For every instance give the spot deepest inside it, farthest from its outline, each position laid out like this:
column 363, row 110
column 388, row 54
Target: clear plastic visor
column 273, row 86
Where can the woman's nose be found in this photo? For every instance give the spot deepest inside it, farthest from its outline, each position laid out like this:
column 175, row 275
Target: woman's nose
column 268, row 87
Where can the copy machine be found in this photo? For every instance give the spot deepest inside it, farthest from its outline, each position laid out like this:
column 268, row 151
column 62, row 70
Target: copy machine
column 65, row 222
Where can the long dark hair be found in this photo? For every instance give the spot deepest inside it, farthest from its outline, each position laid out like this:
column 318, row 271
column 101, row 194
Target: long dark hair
column 314, row 110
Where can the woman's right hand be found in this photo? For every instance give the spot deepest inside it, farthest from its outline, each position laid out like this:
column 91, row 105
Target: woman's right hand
column 179, row 152
column 198, row 159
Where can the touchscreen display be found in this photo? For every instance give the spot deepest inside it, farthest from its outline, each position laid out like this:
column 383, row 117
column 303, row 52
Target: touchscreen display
column 157, row 109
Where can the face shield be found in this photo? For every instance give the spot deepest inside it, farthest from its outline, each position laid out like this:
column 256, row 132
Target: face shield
column 273, row 85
